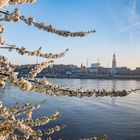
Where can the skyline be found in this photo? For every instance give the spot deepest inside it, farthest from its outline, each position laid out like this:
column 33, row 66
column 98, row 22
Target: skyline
column 88, row 65
column 117, row 25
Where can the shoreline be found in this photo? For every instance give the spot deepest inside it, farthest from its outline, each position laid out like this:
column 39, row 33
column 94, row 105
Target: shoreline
column 99, row 77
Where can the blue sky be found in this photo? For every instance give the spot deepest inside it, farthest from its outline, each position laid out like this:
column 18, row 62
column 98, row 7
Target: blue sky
column 117, row 23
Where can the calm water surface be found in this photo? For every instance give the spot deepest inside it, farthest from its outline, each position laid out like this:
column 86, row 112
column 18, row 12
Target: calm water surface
column 118, row 117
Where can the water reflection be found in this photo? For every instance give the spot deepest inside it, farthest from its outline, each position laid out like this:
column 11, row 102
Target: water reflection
column 117, row 117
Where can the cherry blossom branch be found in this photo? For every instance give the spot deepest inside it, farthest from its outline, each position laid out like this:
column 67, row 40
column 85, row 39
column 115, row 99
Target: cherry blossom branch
column 4, row 3
column 9, row 123
column 38, row 52
column 15, row 2
column 39, row 68
column 15, row 17
column 43, row 86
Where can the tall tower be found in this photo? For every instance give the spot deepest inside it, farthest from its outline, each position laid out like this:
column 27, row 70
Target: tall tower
column 114, row 61
column 81, row 64
column 87, row 63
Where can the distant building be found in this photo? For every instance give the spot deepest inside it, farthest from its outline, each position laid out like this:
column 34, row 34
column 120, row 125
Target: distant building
column 113, row 70
column 137, row 70
column 123, row 70
column 93, row 70
column 95, row 65
column 68, row 73
column 114, row 61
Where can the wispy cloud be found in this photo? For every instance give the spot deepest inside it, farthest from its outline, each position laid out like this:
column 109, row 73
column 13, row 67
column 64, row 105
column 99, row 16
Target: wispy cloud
column 129, row 27
column 132, row 11
column 133, row 20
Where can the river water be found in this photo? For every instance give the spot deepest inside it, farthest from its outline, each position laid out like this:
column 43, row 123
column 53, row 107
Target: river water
column 117, row 117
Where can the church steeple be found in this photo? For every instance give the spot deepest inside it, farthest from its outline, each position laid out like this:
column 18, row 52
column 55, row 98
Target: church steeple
column 114, row 61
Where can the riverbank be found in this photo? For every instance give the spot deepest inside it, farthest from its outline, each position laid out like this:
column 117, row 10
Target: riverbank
column 107, row 77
